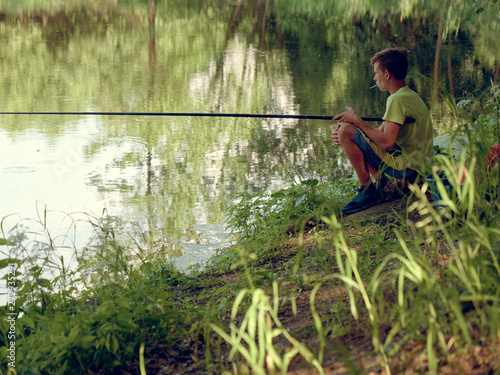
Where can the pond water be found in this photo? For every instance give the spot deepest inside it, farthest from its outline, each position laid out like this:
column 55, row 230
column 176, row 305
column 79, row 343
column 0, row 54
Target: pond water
column 166, row 182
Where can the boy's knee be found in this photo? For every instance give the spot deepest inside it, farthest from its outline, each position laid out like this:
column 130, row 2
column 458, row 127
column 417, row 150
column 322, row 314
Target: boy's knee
column 347, row 132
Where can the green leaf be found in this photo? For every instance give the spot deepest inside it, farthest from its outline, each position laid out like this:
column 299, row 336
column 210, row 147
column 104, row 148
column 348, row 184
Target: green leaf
column 107, row 342
column 221, row 289
column 278, row 194
column 201, row 296
column 129, row 325
column 27, row 321
column 300, row 199
column 104, row 309
column 4, row 242
column 86, row 342
column 114, row 344
column 5, row 262
column 123, row 302
column 73, row 334
column 43, row 282
column 310, row 182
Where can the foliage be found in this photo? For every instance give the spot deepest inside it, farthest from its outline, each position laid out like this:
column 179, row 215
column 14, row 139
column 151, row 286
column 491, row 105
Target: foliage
column 485, row 114
column 288, row 209
column 488, row 2
column 99, row 321
column 260, row 326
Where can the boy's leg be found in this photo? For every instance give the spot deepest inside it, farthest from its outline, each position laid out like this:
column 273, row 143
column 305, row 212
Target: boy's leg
column 347, row 133
column 363, row 168
column 367, row 158
column 391, row 163
column 378, row 175
column 368, row 194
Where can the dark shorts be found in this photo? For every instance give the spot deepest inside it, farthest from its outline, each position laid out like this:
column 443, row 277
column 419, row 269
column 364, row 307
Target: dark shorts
column 392, row 163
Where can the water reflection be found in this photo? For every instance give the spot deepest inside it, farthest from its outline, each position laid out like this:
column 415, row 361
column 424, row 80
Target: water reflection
column 169, row 181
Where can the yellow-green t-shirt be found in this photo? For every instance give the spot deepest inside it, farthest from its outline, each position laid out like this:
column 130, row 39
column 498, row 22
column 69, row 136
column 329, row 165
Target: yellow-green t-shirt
column 415, row 139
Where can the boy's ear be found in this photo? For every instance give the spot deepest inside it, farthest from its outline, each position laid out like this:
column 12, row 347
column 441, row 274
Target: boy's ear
column 387, row 74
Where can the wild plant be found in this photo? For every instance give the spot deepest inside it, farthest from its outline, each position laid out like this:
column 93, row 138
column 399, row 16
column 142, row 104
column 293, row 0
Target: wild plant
column 253, row 337
column 270, row 218
column 114, row 315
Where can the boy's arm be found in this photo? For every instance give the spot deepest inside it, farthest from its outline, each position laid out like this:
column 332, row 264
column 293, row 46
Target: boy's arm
column 384, row 136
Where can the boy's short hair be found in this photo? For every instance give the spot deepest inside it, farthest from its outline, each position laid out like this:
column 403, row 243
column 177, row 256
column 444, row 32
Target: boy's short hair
column 394, row 60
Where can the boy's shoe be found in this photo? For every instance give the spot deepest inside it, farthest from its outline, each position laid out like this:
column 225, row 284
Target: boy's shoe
column 367, row 196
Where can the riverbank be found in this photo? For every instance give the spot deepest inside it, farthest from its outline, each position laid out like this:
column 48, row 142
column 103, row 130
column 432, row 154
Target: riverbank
column 316, row 309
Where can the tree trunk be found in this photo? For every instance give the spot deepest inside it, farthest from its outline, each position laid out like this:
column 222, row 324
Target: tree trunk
column 439, row 46
column 450, row 67
column 152, row 36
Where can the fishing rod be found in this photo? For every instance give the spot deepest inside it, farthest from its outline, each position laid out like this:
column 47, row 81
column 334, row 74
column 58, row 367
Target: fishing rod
column 184, row 114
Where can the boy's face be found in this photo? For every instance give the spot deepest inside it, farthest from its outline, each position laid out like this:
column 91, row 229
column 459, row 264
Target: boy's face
column 381, row 77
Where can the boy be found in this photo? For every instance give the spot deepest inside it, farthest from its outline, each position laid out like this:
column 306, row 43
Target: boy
column 397, row 148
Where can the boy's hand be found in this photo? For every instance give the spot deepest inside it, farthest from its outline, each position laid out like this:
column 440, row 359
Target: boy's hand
column 350, row 116
column 335, row 135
